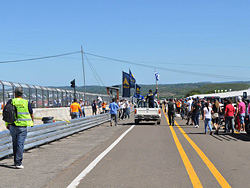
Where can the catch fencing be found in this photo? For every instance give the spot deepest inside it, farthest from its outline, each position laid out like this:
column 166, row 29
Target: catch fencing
column 45, row 133
column 41, row 97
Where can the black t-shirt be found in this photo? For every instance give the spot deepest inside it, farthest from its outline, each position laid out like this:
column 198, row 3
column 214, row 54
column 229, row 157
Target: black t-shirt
column 94, row 107
column 171, row 107
column 197, row 107
column 150, row 96
column 215, row 109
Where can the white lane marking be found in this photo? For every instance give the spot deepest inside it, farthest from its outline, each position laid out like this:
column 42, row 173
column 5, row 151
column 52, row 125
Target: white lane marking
column 77, row 180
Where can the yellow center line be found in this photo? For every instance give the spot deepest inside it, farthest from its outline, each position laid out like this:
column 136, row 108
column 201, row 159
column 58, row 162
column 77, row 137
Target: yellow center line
column 221, row 180
column 190, row 170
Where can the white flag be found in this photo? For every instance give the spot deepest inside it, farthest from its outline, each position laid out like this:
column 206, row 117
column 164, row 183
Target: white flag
column 157, row 76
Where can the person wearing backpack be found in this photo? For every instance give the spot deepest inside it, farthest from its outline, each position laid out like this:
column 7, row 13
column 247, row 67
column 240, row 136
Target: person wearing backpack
column 171, row 111
column 18, row 128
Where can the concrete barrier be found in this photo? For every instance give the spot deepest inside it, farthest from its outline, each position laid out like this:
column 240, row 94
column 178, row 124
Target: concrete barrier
column 59, row 114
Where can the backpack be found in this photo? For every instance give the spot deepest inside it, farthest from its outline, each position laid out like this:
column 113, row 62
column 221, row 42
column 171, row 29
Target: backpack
column 197, row 107
column 171, row 107
column 9, row 113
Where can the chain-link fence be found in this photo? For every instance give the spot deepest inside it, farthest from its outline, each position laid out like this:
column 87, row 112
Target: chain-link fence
column 44, row 97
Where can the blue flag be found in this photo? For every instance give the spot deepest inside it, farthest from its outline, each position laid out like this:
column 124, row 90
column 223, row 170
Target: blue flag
column 138, row 89
column 125, row 84
column 132, row 79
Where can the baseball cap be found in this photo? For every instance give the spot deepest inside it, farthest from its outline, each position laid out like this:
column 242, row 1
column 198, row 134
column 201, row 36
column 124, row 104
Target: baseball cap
column 19, row 90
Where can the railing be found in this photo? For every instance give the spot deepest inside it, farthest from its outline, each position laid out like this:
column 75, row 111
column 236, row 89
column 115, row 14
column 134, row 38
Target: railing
column 41, row 97
column 42, row 134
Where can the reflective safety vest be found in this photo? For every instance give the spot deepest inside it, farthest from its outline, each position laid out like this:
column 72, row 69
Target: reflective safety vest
column 23, row 115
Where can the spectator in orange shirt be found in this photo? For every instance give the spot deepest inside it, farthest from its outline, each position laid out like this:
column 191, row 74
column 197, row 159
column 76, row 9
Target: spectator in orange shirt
column 75, row 109
column 178, row 106
column 104, row 106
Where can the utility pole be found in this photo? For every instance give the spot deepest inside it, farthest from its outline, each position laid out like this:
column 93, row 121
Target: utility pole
column 83, row 71
column 157, row 91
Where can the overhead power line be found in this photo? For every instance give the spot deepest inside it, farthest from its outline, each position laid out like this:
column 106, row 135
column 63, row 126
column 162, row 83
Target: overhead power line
column 171, row 70
column 185, row 64
column 153, row 62
column 137, row 64
column 39, row 58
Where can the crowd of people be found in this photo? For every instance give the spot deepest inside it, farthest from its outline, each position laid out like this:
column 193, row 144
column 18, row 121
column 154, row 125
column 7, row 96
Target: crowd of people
column 98, row 106
column 119, row 110
column 77, row 109
column 212, row 112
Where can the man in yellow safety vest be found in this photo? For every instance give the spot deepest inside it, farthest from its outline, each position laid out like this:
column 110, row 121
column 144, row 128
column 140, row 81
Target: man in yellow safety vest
column 18, row 129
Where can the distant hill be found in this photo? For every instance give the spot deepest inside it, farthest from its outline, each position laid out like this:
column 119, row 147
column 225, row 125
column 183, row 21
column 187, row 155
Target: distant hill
column 175, row 90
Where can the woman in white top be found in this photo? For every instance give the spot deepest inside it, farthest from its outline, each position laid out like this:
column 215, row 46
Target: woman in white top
column 207, row 117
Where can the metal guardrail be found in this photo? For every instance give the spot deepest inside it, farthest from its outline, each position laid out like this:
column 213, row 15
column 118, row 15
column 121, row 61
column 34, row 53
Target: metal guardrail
column 45, row 133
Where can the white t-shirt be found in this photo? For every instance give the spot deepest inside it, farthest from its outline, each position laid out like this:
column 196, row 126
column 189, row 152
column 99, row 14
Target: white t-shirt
column 123, row 105
column 189, row 104
column 207, row 112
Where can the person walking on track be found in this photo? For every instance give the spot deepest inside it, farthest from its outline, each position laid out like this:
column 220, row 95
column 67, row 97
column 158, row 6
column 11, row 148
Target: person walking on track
column 171, row 111
column 207, row 118
column 18, row 128
column 75, row 108
column 113, row 112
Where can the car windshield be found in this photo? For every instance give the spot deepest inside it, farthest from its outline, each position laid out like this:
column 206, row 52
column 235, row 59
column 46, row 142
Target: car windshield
column 144, row 104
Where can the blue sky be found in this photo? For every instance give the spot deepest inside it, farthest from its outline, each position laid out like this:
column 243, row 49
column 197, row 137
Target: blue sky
column 199, row 37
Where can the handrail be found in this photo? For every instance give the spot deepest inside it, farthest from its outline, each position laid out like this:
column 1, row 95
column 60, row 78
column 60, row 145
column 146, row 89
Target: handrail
column 44, row 97
column 45, row 133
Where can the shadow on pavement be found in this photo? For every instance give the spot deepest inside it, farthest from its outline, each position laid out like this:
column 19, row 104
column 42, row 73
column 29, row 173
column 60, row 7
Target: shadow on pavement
column 221, row 136
column 8, row 166
column 226, row 136
column 196, row 133
column 146, row 123
column 126, row 123
column 243, row 137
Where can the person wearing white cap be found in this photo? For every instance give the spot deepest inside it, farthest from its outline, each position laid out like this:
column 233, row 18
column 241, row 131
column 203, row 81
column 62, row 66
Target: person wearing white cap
column 18, row 128
column 241, row 111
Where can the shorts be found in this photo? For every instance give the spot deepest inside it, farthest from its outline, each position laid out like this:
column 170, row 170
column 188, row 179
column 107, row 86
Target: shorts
column 215, row 120
column 242, row 118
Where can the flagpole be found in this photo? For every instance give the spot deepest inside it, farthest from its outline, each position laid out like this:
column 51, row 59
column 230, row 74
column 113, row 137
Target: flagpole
column 156, row 79
column 157, row 91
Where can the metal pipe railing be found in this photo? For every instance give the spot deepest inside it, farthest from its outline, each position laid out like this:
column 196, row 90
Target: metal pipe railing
column 40, row 96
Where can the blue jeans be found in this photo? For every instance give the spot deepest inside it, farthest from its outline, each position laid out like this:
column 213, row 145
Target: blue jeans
column 83, row 112
column 18, row 134
column 128, row 113
column 208, row 123
column 74, row 115
column 229, row 121
column 196, row 119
